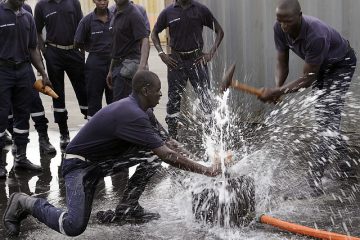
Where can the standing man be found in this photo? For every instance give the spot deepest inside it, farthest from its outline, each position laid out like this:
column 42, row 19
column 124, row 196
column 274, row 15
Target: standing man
column 37, row 114
column 130, row 50
column 93, row 35
column 185, row 20
column 61, row 18
column 111, row 141
column 18, row 48
column 330, row 63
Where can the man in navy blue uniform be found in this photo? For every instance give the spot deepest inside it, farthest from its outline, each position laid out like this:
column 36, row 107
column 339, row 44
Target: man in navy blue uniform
column 37, row 114
column 130, row 50
column 330, row 63
column 19, row 48
column 185, row 20
column 93, row 35
column 120, row 135
column 61, row 55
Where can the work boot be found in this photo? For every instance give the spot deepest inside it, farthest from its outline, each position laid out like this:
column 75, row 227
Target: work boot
column 64, row 140
column 8, row 139
column 44, row 144
column 126, row 213
column 3, row 170
column 19, row 206
column 21, row 161
column 137, row 213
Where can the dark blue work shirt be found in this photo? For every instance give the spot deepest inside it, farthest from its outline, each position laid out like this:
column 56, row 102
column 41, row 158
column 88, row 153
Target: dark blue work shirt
column 141, row 9
column 128, row 29
column 113, row 130
column 17, row 34
column 317, row 43
column 94, row 34
column 185, row 25
column 60, row 20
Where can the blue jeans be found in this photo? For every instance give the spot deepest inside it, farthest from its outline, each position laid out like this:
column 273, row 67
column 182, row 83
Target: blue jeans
column 81, row 179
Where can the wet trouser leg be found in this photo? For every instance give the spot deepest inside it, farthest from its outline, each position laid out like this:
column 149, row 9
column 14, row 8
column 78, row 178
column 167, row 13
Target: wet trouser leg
column 96, row 70
column 81, row 179
column 57, row 62
column 333, row 83
column 38, row 113
column 15, row 91
column 177, row 80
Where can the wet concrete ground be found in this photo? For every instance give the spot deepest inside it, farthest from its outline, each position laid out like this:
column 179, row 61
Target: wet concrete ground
column 169, row 194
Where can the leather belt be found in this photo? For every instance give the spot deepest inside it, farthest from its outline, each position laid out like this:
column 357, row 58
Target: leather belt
column 69, row 47
column 68, row 156
column 189, row 54
column 11, row 64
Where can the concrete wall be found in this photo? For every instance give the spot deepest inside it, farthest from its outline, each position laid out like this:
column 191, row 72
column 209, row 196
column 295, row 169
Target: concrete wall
column 249, row 40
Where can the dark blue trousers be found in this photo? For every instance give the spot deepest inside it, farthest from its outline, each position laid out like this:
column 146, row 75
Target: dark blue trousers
column 81, row 179
column 333, row 82
column 177, row 80
column 37, row 114
column 72, row 62
column 96, row 70
column 15, row 92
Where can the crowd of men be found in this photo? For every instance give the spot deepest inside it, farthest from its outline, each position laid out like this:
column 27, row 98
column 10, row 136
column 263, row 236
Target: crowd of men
column 126, row 132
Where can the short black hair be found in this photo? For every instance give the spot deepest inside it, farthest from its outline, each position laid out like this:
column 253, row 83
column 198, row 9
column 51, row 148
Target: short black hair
column 142, row 79
column 292, row 5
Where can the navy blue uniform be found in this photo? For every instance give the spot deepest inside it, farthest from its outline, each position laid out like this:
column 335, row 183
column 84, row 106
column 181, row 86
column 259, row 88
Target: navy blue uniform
column 322, row 45
column 128, row 29
column 17, row 36
column 119, row 136
column 37, row 111
column 186, row 42
column 95, row 36
column 61, row 21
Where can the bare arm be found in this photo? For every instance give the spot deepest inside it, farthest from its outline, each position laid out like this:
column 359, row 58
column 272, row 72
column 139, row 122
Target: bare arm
column 41, row 42
column 219, row 37
column 109, row 76
column 310, row 72
column 282, row 68
column 179, row 161
column 36, row 61
column 170, row 62
column 145, row 49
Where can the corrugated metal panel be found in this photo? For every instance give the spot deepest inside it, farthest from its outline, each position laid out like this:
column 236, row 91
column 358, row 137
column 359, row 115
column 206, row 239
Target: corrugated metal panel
column 249, row 40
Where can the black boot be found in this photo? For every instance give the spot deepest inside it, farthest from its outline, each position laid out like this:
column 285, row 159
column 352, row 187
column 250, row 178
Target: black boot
column 21, row 161
column 64, row 140
column 44, row 144
column 3, row 170
column 18, row 208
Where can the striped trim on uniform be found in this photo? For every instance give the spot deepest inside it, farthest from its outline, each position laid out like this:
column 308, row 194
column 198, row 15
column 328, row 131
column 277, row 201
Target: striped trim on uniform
column 38, row 114
column 2, row 134
column 83, row 107
column 174, row 115
column 59, row 109
column 61, row 227
column 16, row 130
column 10, row 116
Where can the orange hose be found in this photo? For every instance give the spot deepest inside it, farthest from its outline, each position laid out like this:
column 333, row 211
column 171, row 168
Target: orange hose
column 298, row 229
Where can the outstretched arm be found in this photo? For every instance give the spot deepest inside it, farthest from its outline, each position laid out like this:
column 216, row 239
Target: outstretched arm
column 180, row 161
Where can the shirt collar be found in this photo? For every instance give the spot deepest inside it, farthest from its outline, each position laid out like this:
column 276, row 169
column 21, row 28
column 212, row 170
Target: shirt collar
column 176, row 4
column 95, row 17
column 126, row 9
